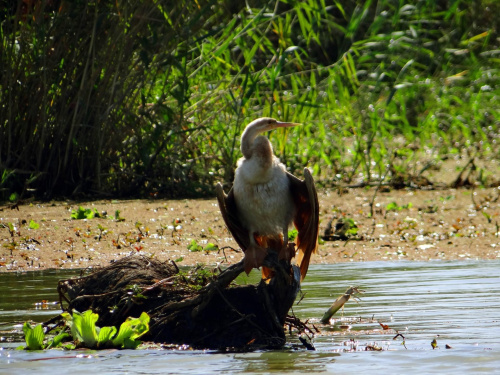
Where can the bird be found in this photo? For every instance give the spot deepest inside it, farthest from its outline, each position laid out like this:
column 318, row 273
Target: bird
column 265, row 200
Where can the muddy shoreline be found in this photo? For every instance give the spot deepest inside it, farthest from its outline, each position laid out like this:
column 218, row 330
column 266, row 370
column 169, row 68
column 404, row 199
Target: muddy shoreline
column 406, row 225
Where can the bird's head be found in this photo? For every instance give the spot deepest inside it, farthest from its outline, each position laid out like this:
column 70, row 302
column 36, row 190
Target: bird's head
column 264, row 124
column 251, row 132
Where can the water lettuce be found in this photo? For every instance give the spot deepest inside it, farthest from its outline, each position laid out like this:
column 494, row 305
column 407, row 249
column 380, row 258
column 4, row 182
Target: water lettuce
column 85, row 333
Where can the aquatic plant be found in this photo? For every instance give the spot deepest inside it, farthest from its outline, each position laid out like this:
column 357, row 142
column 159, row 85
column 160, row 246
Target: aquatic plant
column 83, row 332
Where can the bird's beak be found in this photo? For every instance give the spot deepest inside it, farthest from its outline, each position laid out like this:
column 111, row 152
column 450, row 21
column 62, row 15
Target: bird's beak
column 280, row 124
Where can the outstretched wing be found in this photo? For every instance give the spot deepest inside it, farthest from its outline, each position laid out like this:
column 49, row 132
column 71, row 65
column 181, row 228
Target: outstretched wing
column 227, row 206
column 306, row 218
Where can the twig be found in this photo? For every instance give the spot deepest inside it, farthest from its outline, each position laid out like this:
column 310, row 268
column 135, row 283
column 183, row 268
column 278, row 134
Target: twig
column 167, row 281
column 459, row 182
column 175, row 265
column 301, row 326
column 228, row 247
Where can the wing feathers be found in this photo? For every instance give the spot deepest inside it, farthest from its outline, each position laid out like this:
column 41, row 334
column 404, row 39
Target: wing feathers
column 306, row 218
column 227, row 206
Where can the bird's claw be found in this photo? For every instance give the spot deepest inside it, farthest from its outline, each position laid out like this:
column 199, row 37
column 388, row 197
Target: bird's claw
column 254, row 257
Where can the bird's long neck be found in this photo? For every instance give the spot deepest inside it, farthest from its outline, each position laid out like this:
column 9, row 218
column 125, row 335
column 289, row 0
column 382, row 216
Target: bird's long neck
column 257, row 147
column 247, row 141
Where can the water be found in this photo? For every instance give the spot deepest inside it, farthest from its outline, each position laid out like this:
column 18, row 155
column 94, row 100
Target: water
column 457, row 303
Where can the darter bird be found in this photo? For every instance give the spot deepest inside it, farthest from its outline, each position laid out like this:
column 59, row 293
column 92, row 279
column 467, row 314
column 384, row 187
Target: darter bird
column 265, row 200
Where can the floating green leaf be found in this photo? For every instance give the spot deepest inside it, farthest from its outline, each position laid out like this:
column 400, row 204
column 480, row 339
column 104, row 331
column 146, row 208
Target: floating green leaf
column 57, row 341
column 85, row 332
column 85, row 325
column 130, row 331
column 68, row 318
column 105, row 336
column 34, row 336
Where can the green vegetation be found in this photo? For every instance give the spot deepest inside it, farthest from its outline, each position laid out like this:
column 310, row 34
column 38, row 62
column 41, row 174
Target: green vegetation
column 194, row 246
column 118, row 217
column 33, row 224
column 197, row 277
column 84, row 213
column 351, row 228
column 33, row 336
column 84, row 333
column 139, row 98
column 393, row 206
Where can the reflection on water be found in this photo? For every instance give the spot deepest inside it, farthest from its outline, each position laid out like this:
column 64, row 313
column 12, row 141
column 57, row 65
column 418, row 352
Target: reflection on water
column 455, row 302
column 281, row 361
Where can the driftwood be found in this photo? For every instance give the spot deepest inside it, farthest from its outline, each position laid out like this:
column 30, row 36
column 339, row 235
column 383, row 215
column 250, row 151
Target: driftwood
column 339, row 303
column 218, row 315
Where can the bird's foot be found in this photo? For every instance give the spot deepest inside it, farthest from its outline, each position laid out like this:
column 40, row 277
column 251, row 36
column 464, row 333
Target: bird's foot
column 254, row 257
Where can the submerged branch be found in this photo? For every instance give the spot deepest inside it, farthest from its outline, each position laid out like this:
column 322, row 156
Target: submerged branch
column 339, row 303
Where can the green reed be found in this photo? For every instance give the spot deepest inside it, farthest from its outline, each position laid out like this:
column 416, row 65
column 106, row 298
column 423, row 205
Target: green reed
column 131, row 98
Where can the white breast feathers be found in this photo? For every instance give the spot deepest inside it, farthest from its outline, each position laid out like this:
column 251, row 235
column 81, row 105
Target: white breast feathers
column 263, row 198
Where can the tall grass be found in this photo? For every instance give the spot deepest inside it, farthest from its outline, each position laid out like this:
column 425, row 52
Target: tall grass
column 131, row 98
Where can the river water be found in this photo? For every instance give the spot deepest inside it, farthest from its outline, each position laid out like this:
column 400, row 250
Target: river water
column 456, row 303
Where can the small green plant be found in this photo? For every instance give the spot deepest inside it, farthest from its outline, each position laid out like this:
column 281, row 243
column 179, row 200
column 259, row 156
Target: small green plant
column 84, row 213
column 85, row 333
column 487, row 216
column 393, row 206
column 34, row 337
column 352, row 229
column 197, row 277
column 130, row 331
column 102, row 231
column 194, row 246
column 34, row 225
column 118, row 217
column 211, row 247
column 136, row 291
column 12, row 229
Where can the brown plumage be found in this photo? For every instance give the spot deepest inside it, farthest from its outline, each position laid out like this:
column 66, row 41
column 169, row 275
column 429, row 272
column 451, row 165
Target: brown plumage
column 265, row 200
